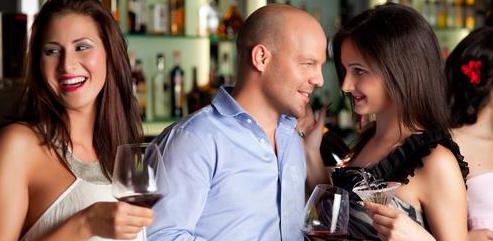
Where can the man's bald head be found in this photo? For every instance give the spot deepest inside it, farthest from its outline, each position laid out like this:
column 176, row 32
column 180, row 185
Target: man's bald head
column 267, row 26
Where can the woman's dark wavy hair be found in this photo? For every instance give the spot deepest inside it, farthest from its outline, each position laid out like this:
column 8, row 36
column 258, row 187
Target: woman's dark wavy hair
column 465, row 99
column 117, row 119
column 401, row 46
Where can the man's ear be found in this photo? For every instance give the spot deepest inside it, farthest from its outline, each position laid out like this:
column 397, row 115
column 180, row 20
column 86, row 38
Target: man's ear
column 260, row 57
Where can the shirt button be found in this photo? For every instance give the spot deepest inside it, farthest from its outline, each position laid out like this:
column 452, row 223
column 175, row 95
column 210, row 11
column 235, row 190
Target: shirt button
column 262, row 140
column 249, row 121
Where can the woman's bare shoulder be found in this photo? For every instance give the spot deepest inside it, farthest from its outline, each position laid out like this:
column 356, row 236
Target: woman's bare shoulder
column 19, row 143
column 440, row 159
column 441, row 167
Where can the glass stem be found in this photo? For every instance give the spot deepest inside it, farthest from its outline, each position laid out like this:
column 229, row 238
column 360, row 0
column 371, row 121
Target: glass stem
column 144, row 234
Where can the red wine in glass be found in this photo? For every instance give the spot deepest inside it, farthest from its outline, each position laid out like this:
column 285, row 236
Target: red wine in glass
column 139, row 177
column 142, row 199
column 325, row 235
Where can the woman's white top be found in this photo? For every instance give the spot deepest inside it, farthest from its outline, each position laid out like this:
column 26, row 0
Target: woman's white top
column 90, row 186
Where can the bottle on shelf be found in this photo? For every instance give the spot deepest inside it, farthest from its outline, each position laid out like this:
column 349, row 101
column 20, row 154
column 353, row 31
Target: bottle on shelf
column 115, row 12
column 177, row 82
column 177, row 17
column 441, row 14
column 158, row 18
column 225, row 71
column 470, row 21
column 136, row 13
column 208, row 19
column 459, row 16
column 429, row 12
column 450, row 15
column 140, row 88
column 160, row 90
column 231, row 22
column 195, row 97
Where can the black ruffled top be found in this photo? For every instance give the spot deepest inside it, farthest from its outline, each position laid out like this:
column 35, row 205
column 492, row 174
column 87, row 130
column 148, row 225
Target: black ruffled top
column 402, row 161
column 397, row 167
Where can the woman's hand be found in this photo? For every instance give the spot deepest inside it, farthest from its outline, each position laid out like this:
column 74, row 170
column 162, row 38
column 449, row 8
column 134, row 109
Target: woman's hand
column 312, row 138
column 312, row 129
column 116, row 220
column 480, row 235
column 394, row 225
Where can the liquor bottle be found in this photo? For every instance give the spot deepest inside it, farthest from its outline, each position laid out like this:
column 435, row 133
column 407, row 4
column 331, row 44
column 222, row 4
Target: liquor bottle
column 429, row 12
column 159, row 90
column 231, row 22
column 470, row 21
column 115, row 12
column 212, row 18
column 141, row 88
column 194, row 98
column 441, row 14
column 158, row 18
column 459, row 16
column 132, row 16
column 177, row 17
column 208, row 19
column 176, row 80
column 136, row 11
column 225, row 71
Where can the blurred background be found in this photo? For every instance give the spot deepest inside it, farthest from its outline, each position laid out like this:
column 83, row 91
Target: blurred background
column 182, row 50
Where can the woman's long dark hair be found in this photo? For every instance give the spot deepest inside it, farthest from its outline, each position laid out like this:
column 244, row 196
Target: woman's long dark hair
column 401, row 46
column 465, row 98
column 117, row 119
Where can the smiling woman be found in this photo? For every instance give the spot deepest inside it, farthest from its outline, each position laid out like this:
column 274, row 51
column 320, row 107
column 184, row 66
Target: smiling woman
column 78, row 108
column 389, row 61
column 73, row 62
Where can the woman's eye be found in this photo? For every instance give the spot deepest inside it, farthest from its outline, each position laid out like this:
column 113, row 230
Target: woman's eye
column 358, row 71
column 82, row 47
column 52, row 51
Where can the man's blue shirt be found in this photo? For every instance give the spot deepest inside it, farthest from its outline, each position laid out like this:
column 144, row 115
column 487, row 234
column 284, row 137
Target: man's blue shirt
column 224, row 180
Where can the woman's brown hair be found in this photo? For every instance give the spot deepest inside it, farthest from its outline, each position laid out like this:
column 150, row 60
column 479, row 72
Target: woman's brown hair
column 117, row 119
column 402, row 47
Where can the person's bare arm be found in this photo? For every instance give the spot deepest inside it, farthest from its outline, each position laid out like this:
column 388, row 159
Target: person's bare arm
column 444, row 198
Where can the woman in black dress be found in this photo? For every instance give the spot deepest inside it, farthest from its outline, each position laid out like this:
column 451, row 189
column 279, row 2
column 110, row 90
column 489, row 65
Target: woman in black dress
column 388, row 60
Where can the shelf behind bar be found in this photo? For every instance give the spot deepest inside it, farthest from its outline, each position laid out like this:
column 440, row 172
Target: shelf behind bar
column 154, row 128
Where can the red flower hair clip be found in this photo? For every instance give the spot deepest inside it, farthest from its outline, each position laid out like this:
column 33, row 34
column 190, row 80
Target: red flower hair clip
column 473, row 71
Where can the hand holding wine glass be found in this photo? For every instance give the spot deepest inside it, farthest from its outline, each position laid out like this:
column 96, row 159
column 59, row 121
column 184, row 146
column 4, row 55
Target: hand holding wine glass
column 137, row 167
column 326, row 214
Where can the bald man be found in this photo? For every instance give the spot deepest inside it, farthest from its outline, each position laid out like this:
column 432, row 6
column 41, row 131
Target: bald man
column 236, row 168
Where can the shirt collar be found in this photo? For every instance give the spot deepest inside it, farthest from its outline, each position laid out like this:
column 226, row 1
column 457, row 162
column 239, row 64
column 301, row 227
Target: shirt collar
column 226, row 105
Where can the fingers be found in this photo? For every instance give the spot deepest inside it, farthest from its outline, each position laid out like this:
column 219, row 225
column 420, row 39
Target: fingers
column 383, row 231
column 306, row 122
column 489, row 234
column 383, row 210
column 321, row 117
column 134, row 210
column 135, row 215
column 382, row 220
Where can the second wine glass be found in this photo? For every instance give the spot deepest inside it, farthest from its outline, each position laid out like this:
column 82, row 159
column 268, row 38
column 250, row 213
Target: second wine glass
column 138, row 168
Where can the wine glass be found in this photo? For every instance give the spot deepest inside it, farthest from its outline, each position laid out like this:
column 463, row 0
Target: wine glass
column 326, row 213
column 135, row 175
column 377, row 192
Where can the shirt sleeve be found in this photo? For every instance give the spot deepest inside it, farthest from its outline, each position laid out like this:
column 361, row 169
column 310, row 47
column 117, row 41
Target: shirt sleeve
column 189, row 169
